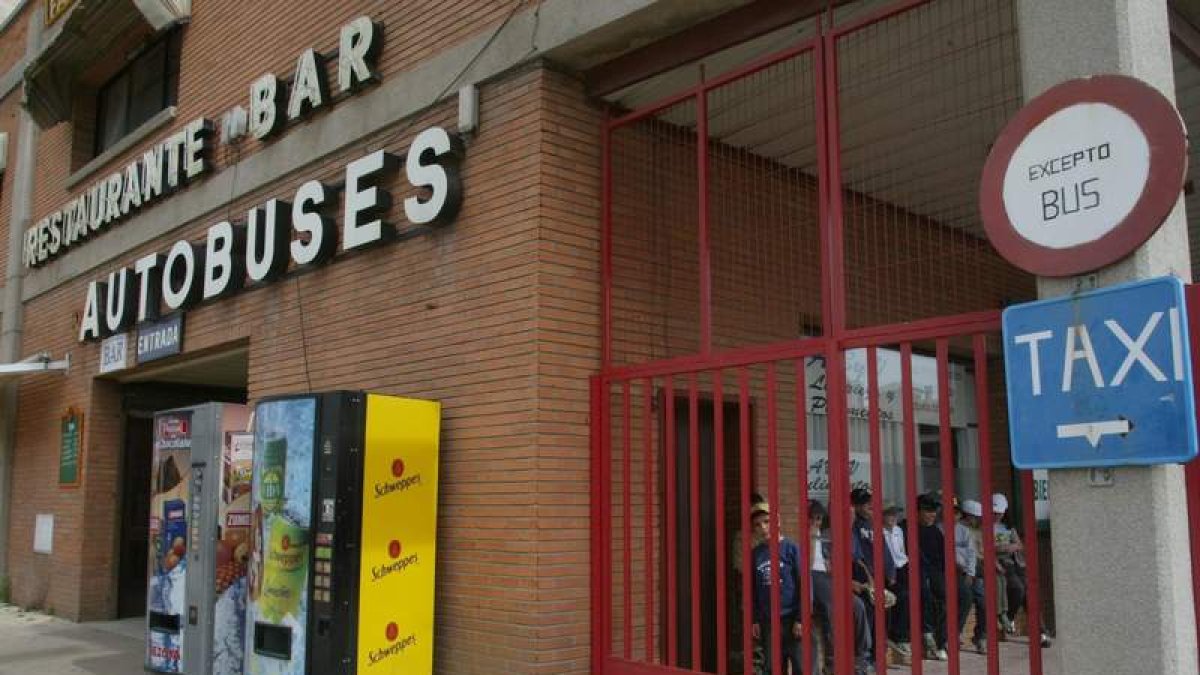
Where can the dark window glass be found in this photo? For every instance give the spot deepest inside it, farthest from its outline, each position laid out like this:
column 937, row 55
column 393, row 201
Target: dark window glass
column 139, row 91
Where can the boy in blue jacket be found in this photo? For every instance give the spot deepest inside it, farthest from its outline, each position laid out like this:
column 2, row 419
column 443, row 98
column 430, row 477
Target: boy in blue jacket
column 789, row 575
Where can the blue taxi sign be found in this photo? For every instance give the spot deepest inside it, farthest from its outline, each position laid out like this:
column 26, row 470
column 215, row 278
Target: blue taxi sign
column 1101, row 378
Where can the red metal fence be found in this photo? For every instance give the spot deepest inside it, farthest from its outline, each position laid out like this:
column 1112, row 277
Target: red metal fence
column 798, row 300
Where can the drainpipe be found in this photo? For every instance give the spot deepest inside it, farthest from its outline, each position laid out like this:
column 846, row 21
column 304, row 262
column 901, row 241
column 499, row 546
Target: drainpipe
column 11, row 310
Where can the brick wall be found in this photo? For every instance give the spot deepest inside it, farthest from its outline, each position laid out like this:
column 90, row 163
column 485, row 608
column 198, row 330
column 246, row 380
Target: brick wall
column 12, row 41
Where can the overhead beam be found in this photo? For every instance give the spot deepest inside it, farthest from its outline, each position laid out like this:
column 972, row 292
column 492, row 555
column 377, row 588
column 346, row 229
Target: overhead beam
column 1185, row 35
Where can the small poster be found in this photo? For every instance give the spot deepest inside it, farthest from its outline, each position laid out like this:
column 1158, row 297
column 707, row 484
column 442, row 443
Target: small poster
column 70, row 448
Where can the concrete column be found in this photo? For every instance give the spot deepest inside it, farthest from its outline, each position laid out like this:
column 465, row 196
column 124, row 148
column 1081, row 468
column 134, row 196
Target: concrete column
column 11, row 318
column 1122, row 581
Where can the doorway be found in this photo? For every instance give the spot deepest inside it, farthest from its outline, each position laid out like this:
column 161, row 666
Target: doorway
column 218, row 377
column 707, row 498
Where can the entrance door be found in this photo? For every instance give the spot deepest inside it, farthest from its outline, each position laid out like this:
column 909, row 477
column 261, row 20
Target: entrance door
column 707, row 526
column 135, row 516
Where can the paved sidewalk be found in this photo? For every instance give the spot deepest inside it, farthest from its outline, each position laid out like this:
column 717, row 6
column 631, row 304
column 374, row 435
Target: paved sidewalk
column 37, row 644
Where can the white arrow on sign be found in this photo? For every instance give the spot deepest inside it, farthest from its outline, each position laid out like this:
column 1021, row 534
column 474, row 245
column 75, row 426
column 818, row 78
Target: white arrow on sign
column 1093, row 431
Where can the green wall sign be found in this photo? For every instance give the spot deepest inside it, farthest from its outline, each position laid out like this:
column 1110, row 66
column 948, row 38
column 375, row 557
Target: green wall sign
column 70, row 448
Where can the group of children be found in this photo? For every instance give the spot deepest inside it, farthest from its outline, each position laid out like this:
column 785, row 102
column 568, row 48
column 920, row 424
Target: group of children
column 894, row 592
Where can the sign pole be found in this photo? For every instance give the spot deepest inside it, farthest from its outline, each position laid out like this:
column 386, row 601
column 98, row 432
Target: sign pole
column 1123, row 599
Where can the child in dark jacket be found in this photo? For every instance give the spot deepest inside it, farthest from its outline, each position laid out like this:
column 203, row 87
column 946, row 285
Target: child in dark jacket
column 788, row 574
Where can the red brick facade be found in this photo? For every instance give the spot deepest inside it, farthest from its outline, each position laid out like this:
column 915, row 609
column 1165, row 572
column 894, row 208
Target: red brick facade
column 496, row 315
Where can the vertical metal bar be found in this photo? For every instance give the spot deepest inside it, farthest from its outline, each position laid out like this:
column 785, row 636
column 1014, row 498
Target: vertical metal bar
column 1192, row 469
column 606, row 261
column 719, row 479
column 1192, row 479
column 1033, row 597
column 946, row 457
column 835, row 256
column 834, row 316
column 912, row 461
column 648, row 452
column 694, row 516
column 747, row 533
column 990, row 585
column 598, row 497
column 806, row 539
column 705, row 250
column 823, row 198
column 626, row 494
column 839, row 510
column 672, row 540
column 773, row 536
column 876, row 507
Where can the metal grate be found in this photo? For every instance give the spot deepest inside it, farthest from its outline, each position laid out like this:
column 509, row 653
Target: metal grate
column 792, row 308
column 921, row 96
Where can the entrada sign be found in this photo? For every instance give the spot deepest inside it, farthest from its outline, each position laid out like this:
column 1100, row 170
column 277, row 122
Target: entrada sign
column 259, row 251
column 1083, row 175
column 185, row 155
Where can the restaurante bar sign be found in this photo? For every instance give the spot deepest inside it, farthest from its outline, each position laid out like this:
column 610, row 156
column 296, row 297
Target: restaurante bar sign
column 185, row 155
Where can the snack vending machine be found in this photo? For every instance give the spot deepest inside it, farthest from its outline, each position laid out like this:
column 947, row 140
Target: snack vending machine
column 344, row 533
column 199, row 539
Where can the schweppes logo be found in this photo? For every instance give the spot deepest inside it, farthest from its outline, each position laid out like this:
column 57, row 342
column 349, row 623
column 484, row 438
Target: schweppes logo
column 398, row 564
column 396, row 647
column 400, row 482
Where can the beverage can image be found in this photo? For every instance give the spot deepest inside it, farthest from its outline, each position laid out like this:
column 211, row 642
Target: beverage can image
column 285, row 568
column 274, row 473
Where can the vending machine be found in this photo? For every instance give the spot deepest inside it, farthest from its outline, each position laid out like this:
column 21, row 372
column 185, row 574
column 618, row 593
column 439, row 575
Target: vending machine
column 344, row 533
column 199, row 540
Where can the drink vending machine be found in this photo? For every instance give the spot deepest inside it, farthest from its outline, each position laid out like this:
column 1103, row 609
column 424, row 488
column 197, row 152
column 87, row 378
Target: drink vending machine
column 199, row 540
column 344, row 534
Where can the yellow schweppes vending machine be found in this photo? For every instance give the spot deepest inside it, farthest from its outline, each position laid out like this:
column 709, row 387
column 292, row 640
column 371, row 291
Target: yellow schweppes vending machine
column 344, row 535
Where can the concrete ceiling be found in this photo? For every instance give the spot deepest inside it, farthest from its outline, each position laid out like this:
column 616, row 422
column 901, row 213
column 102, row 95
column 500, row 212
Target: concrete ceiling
column 229, row 369
column 1190, row 9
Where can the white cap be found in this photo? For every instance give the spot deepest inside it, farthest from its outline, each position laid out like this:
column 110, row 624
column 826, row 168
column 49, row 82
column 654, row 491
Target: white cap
column 999, row 503
column 972, row 508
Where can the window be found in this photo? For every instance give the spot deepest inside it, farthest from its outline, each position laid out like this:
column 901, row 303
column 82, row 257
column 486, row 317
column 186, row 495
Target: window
column 138, row 91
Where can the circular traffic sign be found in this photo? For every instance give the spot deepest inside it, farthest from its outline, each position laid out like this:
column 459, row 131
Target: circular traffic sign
column 1083, row 175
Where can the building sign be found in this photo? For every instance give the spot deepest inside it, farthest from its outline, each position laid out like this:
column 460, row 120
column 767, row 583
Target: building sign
column 926, row 400
column 1083, row 175
column 1102, row 378
column 70, row 448
column 113, row 353
column 161, row 170
column 56, row 9
column 160, row 339
column 186, row 155
column 1041, row 495
column 302, row 232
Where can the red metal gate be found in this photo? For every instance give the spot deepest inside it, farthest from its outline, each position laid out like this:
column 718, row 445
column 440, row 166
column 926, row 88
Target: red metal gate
column 792, row 286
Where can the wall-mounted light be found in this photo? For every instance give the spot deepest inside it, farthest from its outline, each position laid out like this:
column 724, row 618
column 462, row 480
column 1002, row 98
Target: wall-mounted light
column 233, row 124
column 468, row 109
